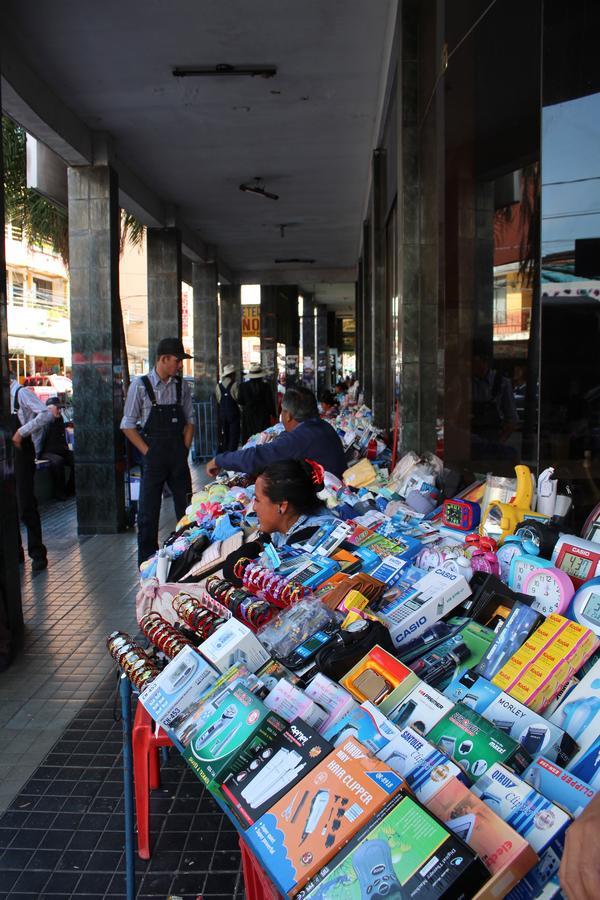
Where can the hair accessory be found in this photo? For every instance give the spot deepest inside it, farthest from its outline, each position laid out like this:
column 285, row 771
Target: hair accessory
column 317, row 470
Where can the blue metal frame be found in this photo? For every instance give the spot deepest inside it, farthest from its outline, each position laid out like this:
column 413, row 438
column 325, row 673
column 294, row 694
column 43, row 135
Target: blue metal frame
column 125, row 693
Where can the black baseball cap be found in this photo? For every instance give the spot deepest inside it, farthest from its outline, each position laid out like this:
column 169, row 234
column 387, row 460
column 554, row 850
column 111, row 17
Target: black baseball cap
column 172, row 347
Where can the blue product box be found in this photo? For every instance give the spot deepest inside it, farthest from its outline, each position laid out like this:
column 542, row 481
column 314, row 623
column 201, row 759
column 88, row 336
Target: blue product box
column 472, row 690
column 587, row 767
column 558, row 785
column 425, row 769
column 182, row 682
column 367, row 725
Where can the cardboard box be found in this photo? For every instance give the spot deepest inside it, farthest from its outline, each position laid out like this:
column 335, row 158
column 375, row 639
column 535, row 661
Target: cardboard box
column 183, row 725
column 233, row 643
column 377, row 675
column 367, row 725
column 533, row 732
column 472, row 639
column 475, row 744
column 506, row 855
column 561, row 787
column 579, row 712
column 330, row 696
column 426, row 602
column 471, row 689
column 421, row 709
column 297, row 837
column 221, row 737
column 403, row 852
column 424, row 768
column 291, row 703
column 182, row 682
column 254, row 789
column 539, row 821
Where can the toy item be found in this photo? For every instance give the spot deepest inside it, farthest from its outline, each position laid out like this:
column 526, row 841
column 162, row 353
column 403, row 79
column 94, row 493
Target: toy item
column 461, row 514
column 502, row 519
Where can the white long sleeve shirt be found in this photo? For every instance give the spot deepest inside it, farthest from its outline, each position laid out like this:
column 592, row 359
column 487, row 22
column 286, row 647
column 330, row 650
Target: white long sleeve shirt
column 33, row 415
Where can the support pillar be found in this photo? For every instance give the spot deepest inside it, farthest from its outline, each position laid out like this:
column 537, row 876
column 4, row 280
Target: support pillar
column 11, row 615
column 206, row 329
column 358, row 317
column 367, row 343
column 164, row 286
column 309, row 364
column 289, row 332
column 268, row 333
column 231, row 327
column 379, row 311
column 96, row 348
column 323, row 374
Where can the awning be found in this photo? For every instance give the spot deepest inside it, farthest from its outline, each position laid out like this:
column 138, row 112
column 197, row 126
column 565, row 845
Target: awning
column 29, row 346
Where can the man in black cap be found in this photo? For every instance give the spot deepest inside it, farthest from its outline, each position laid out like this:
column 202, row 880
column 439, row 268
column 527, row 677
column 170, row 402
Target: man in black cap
column 159, row 420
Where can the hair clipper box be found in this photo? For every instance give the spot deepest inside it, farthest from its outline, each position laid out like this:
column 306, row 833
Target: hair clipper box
column 403, row 852
column 253, row 790
column 534, row 817
column 579, row 711
column 506, row 855
column 424, row 768
column 475, row 744
column 183, row 681
column 473, row 690
column 331, row 697
column 561, row 787
column 533, row 732
column 183, row 726
column 307, row 826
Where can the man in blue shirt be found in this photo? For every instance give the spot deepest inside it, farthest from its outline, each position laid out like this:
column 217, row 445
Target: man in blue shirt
column 159, row 420
column 305, row 435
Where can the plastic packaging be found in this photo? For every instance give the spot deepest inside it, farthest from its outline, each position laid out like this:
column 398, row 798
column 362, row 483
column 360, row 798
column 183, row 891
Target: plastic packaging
column 292, row 626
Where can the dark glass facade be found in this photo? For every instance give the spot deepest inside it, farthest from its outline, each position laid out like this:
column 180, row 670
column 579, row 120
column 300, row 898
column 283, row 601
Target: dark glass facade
column 492, row 240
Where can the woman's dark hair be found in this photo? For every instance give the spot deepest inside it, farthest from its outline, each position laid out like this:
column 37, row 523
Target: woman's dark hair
column 328, row 398
column 292, row 480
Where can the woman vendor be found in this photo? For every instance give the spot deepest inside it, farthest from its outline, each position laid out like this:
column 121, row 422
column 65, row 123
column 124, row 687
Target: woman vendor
column 287, row 502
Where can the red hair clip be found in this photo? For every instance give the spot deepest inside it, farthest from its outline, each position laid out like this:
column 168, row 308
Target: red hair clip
column 318, row 472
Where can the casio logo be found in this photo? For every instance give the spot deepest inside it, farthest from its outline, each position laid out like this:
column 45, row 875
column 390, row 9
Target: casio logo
column 445, row 573
column 415, row 625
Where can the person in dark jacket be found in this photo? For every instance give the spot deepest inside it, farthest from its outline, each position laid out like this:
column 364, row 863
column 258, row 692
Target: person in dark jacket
column 257, row 402
column 305, row 435
column 55, row 449
column 229, row 411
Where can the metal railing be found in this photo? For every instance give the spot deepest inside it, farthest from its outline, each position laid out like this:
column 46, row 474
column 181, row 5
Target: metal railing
column 17, row 296
column 205, row 434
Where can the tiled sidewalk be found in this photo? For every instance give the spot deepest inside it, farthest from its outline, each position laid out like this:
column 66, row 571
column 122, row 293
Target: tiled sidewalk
column 60, row 770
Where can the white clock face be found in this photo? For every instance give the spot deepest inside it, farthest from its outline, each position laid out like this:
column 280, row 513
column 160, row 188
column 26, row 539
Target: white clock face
column 521, row 569
column 505, row 555
column 549, row 594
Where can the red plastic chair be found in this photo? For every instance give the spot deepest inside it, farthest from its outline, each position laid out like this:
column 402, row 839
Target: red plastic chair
column 147, row 738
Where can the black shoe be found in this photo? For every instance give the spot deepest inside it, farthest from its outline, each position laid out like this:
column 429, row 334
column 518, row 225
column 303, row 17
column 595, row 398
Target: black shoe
column 38, row 565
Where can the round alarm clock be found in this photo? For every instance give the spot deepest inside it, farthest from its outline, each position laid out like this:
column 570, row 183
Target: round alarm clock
column 552, row 589
column 543, row 534
column 484, row 561
column 585, row 606
column 513, row 546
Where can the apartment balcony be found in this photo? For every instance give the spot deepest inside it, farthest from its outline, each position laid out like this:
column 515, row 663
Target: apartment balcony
column 515, row 326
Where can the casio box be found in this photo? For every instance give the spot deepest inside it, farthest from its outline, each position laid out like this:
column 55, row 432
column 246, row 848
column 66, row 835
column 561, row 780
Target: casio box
column 427, row 601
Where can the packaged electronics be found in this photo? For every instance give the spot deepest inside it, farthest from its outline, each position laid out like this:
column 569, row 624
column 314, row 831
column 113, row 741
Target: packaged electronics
column 291, row 703
column 402, row 852
column 424, row 768
column 506, row 855
column 183, row 681
column 587, row 766
column 460, row 651
column 538, row 820
column 420, row 709
column 393, row 570
column 234, row 643
column 547, row 660
column 220, row 744
column 183, row 725
column 579, row 712
column 471, row 689
column 331, row 697
column 475, row 744
column 376, row 675
column 365, row 723
column 297, row 837
column 521, row 621
column 561, row 787
column 427, row 601
column 253, row 790
column 272, row 672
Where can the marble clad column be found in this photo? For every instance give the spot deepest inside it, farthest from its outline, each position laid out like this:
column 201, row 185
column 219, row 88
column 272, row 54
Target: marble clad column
column 323, row 374
column 367, row 330
column 206, row 329
column 231, row 327
column 11, row 614
column 164, row 286
column 379, row 312
column 290, row 333
column 268, row 333
column 308, row 341
column 96, row 348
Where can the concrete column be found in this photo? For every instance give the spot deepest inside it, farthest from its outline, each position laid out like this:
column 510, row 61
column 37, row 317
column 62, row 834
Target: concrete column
column 11, row 615
column 289, row 332
column 164, row 285
column 358, row 315
column 231, row 327
column 367, row 330
column 308, row 341
column 96, row 348
column 206, row 329
column 268, row 332
column 323, row 374
column 379, row 310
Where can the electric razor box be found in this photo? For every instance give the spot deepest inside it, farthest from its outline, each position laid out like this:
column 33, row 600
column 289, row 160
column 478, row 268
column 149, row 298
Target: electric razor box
column 561, row 787
column 183, row 681
column 475, row 744
column 222, row 737
column 425, row 768
column 367, row 725
column 309, row 824
column 421, row 709
column 402, row 852
column 506, row 855
column 253, row 790
column 535, row 818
